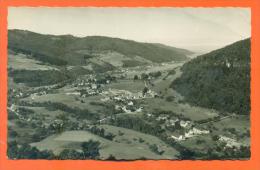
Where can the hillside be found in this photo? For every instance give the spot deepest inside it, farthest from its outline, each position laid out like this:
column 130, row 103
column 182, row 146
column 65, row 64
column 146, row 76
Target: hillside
column 219, row 79
column 70, row 50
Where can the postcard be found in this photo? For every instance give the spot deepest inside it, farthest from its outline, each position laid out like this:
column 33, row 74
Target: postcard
column 129, row 85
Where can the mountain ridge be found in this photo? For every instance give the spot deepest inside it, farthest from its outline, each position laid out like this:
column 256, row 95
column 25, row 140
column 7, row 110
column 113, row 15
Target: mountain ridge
column 71, row 50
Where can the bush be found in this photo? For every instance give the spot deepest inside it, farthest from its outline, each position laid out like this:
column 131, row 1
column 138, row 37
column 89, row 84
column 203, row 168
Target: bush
column 91, row 149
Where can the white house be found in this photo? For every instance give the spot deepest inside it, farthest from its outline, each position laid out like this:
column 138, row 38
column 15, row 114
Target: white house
column 195, row 132
column 229, row 141
column 179, row 138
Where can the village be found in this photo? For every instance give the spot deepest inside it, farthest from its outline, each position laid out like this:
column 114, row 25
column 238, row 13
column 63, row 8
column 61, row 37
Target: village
column 109, row 97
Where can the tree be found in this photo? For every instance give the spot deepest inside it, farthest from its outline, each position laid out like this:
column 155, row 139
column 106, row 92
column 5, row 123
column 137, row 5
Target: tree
column 25, row 151
column 145, row 90
column 144, row 76
column 170, row 98
column 12, row 133
column 111, row 157
column 91, row 149
column 109, row 136
column 154, row 148
column 70, row 154
column 186, row 154
column 155, row 74
column 215, row 137
column 136, row 77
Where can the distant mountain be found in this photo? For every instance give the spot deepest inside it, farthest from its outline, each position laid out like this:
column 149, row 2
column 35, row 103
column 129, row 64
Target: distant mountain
column 70, row 50
column 219, row 79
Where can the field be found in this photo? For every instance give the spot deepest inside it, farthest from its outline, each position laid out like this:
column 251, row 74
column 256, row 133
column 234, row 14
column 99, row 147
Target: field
column 72, row 101
column 131, row 148
column 130, row 85
column 21, row 61
column 191, row 112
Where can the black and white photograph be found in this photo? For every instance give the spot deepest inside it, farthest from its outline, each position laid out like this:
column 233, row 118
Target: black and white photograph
column 121, row 83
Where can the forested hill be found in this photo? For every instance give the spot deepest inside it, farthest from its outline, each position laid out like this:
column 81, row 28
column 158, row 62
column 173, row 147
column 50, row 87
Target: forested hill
column 67, row 49
column 219, row 79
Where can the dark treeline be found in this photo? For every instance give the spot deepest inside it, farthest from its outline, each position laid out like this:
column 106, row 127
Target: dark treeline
column 101, row 132
column 89, row 150
column 38, row 77
column 39, row 56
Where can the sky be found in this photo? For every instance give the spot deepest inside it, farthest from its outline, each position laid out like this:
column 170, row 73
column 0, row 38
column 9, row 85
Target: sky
column 196, row 29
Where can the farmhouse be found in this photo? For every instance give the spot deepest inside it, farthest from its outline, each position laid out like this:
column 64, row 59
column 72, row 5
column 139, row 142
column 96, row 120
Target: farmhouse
column 184, row 124
column 229, row 141
column 195, row 132
column 178, row 138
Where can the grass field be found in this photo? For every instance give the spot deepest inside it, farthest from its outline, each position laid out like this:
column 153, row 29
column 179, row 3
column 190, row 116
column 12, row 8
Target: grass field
column 22, row 62
column 130, row 85
column 192, row 112
column 113, row 58
column 46, row 113
column 130, row 151
column 71, row 101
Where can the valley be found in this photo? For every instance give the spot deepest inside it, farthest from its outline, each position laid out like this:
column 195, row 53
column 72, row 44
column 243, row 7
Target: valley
column 113, row 107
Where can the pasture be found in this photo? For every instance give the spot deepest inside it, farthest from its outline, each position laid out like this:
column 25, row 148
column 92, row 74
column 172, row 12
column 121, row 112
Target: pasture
column 192, row 112
column 71, row 101
column 22, row 62
column 129, row 151
column 130, row 85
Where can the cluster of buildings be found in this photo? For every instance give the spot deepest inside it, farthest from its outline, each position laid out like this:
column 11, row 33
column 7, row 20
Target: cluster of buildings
column 85, row 87
column 124, row 95
column 125, row 99
column 182, row 129
column 229, row 141
column 87, row 81
column 189, row 134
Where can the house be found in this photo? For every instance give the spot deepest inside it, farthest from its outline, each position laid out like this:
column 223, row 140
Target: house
column 139, row 109
column 178, row 138
column 171, row 122
column 130, row 103
column 184, row 124
column 229, row 141
column 162, row 117
column 149, row 115
column 126, row 110
column 93, row 86
column 195, row 132
column 73, row 93
column 12, row 108
column 117, row 107
column 105, row 99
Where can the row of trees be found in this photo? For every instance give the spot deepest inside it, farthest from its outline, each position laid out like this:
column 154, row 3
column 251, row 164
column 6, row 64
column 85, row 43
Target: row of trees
column 38, row 77
column 101, row 132
column 138, row 124
column 89, row 150
column 145, row 76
